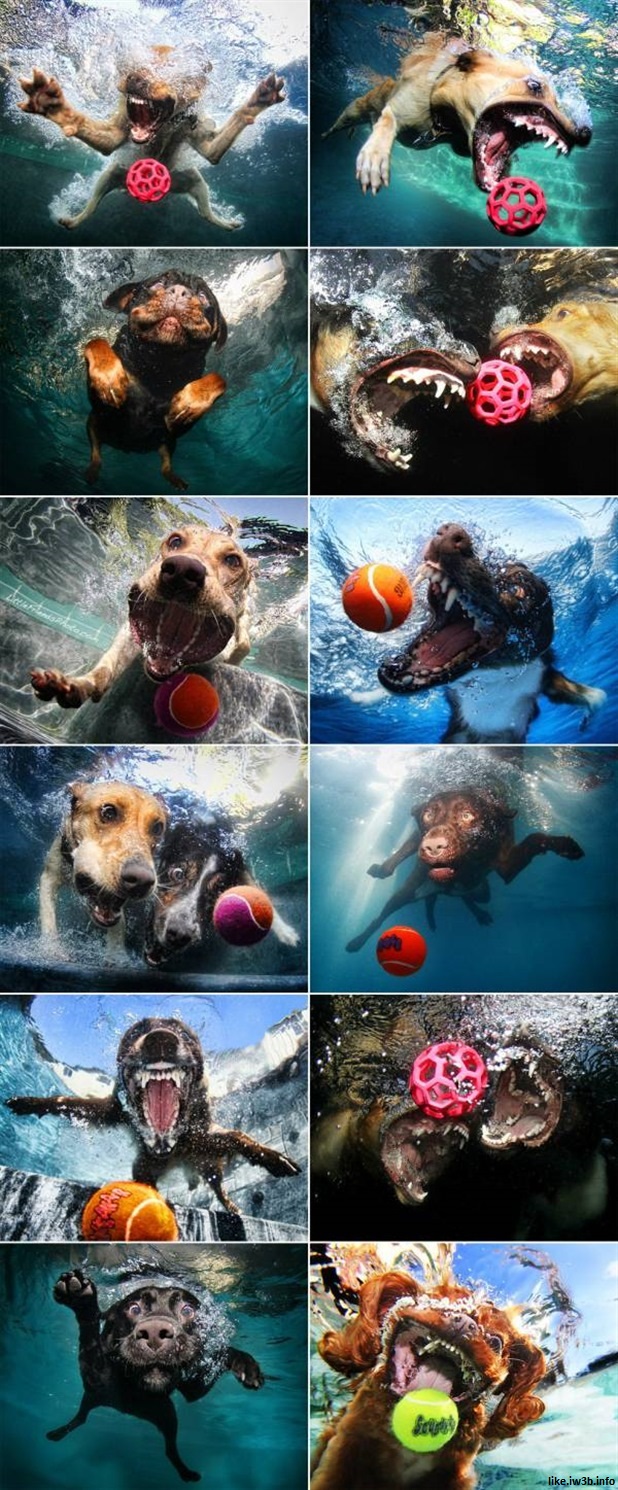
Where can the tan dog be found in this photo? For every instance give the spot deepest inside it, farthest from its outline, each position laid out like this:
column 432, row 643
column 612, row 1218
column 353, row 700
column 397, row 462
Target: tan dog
column 571, row 356
column 105, row 849
column 486, row 104
column 157, row 116
column 188, row 607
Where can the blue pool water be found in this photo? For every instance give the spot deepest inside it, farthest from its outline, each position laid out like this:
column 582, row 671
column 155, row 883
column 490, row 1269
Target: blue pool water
column 553, row 927
column 87, row 45
column 259, row 791
column 432, row 198
column 255, row 1441
column 254, row 438
column 577, row 1433
column 570, row 544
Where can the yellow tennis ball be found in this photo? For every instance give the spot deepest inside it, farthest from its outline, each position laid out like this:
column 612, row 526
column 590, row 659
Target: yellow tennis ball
column 124, row 1211
column 425, row 1420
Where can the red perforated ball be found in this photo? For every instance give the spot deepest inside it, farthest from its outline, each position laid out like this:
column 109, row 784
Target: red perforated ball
column 447, row 1080
column 148, row 180
column 516, row 205
column 500, row 394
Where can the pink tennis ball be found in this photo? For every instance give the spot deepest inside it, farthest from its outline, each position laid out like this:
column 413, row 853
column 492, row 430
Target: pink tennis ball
column 243, row 915
column 186, row 705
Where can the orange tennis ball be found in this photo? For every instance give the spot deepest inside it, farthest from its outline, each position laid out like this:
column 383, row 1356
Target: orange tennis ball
column 243, row 915
column 377, row 597
column 186, row 705
column 401, row 951
column 125, row 1212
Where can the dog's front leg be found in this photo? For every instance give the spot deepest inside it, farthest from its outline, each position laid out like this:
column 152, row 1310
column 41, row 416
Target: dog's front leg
column 46, row 99
column 373, row 162
column 78, row 1293
column 519, row 855
column 284, row 933
column 115, row 941
column 110, row 180
column 190, row 402
column 72, row 692
column 402, row 897
column 49, row 885
column 213, row 145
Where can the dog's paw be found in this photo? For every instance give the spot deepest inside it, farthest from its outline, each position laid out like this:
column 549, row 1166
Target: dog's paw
column 49, row 684
column 378, row 871
column 567, row 848
column 356, row 943
column 188, row 1474
column 267, row 93
column 373, row 168
column 45, row 95
column 247, row 1370
column 107, row 377
column 77, row 1292
column 279, row 1165
column 287, row 935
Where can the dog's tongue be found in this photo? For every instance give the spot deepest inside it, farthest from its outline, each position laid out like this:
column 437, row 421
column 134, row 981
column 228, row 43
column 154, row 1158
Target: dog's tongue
column 440, row 647
column 162, row 1103
column 433, row 1377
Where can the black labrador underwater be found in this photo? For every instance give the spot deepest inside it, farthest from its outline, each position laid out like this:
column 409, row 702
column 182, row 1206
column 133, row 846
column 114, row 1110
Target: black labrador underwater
column 153, row 1341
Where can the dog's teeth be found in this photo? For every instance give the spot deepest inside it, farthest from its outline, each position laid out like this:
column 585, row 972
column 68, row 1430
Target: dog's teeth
column 451, row 597
column 440, row 386
column 444, row 584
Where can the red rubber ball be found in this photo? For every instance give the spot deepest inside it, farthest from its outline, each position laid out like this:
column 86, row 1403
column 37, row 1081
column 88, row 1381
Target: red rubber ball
column 401, row 951
column 500, row 394
column 186, row 705
column 148, row 180
column 448, row 1079
column 516, row 205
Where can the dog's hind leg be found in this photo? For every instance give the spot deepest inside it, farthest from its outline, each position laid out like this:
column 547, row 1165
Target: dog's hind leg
column 163, row 1414
column 430, row 911
column 193, row 184
column 165, row 453
column 95, row 451
column 402, row 897
column 111, row 180
column 369, row 106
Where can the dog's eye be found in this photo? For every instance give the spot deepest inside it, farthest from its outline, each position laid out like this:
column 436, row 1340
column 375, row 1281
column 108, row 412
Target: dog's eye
column 495, row 1343
column 175, row 540
column 232, row 561
column 467, row 817
column 560, row 315
column 134, row 1311
column 157, row 829
column 108, row 813
column 186, row 1311
column 534, row 85
column 177, row 874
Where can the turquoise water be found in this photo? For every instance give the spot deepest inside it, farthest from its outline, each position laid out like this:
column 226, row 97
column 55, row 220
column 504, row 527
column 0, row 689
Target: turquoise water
column 577, row 1433
column 571, row 545
column 553, row 927
column 259, row 791
column 254, row 438
column 432, row 198
column 87, row 45
column 66, row 570
column 255, row 1441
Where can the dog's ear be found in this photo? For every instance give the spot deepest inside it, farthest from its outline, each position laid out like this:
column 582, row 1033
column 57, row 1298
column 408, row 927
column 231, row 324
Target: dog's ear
column 498, row 806
column 357, row 1346
column 416, row 810
column 163, row 805
column 76, row 789
column 121, row 298
column 518, row 1406
column 466, row 61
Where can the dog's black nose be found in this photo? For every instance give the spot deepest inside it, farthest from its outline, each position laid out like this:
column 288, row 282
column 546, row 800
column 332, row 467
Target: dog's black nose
column 584, row 135
column 137, row 878
column 182, row 572
column 83, row 883
column 156, row 1333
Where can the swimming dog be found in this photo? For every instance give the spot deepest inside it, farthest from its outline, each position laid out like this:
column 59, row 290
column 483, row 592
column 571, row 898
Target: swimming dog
column 105, row 850
column 161, row 1093
column 489, row 639
column 570, row 356
column 150, row 388
column 154, row 1341
column 157, row 116
column 189, row 606
column 198, row 861
column 482, row 104
column 462, row 837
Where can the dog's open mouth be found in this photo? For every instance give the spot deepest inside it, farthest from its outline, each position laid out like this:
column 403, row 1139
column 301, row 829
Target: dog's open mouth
column 527, row 1101
column 546, row 363
column 502, row 129
column 415, row 1150
column 158, row 1091
column 388, row 401
column 421, row 1358
column 146, row 115
column 172, row 636
column 461, row 633
column 103, row 907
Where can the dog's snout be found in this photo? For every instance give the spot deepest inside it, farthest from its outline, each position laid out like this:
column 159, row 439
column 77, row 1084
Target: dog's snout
column 137, row 878
column 83, row 883
column 584, row 135
column 182, row 572
column 435, row 843
column 155, row 1333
